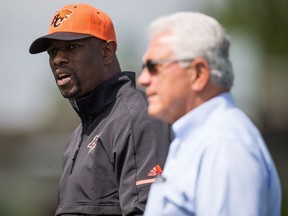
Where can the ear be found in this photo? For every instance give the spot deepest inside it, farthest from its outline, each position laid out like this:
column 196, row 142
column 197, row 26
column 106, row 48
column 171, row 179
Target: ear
column 201, row 74
column 108, row 51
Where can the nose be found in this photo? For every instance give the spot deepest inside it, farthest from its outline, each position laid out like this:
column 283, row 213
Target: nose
column 144, row 78
column 59, row 57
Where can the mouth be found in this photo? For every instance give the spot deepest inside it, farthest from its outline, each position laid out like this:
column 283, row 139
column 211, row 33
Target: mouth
column 149, row 93
column 62, row 78
column 151, row 97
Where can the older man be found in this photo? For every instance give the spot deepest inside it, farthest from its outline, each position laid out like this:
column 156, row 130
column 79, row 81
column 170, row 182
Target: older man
column 218, row 163
column 117, row 151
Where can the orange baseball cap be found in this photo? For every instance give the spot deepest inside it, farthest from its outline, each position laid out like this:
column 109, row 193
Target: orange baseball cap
column 74, row 22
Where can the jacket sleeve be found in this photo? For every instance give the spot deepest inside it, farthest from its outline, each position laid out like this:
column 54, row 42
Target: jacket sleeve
column 139, row 158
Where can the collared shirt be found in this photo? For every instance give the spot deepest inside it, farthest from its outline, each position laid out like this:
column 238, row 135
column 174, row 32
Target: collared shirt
column 218, row 164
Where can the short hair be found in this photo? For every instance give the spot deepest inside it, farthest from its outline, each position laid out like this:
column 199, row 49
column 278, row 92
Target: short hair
column 198, row 35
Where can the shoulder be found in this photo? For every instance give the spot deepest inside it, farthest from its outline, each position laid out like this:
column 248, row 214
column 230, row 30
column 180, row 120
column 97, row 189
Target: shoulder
column 133, row 102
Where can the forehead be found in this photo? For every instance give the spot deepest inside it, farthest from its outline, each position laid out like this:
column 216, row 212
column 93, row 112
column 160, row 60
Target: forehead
column 159, row 46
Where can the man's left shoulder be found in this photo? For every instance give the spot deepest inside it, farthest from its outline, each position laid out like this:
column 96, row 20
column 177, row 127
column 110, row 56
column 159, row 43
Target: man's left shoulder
column 134, row 99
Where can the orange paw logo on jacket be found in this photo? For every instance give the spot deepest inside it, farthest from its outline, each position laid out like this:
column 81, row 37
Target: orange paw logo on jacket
column 61, row 16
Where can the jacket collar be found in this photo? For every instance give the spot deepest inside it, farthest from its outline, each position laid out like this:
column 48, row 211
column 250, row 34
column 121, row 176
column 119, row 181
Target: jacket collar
column 103, row 95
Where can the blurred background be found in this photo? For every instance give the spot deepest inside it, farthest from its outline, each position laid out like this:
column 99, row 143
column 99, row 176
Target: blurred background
column 35, row 121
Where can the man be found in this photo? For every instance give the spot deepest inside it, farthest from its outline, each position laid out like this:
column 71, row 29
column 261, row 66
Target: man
column 117, row 151
column 218, row 163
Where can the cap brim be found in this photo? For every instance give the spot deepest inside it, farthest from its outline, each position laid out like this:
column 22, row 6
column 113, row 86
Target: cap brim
column 41, row 44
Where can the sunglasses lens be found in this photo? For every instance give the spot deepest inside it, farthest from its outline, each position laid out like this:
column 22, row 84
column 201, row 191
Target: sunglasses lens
column 151, row 66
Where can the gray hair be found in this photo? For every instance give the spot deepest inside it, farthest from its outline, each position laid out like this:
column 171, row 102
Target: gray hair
column 198, row 35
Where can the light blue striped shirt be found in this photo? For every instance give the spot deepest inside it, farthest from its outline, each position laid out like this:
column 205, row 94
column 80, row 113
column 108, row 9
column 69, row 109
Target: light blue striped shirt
column 218, row 165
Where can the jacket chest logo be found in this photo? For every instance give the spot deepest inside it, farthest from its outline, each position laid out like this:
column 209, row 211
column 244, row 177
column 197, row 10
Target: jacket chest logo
column 93, row 143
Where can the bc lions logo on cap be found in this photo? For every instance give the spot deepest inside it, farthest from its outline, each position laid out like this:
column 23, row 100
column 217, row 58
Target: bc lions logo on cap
column 61, row 16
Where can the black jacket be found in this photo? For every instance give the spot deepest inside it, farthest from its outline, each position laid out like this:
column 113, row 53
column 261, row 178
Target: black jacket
column 114, row 154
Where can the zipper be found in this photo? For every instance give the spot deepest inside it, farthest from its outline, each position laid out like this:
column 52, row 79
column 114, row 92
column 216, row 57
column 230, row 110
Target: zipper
column 75, row 156
column 85, row 126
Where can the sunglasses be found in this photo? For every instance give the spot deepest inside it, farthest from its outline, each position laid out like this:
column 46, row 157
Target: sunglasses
column 152, row 65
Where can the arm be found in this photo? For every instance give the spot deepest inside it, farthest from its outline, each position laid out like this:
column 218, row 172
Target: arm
column 145, row 146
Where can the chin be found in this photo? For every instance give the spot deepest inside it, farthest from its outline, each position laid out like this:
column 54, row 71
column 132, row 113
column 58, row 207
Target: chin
column 151, row 112
column 162, row 115
column 69, row 96
column 156, row 113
